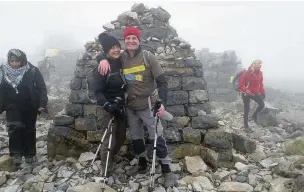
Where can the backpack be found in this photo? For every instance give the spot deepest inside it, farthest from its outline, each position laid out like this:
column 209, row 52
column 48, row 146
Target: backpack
column 236, row 79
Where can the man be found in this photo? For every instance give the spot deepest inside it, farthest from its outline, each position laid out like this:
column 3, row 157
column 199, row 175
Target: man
column 46, row 67
column 252, row 87
column 143, row 74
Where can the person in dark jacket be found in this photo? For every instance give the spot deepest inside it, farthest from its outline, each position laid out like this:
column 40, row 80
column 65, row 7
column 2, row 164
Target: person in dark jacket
column 110, row 93
column 23, row 95
column 252, row 87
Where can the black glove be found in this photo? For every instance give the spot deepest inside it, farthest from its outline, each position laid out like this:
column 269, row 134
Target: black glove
column 118, row 101
column 263, row 96
column 157, row 105
column 113, row 109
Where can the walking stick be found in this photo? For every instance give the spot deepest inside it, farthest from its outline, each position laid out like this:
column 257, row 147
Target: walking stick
column 110, row 126
column 153, row 114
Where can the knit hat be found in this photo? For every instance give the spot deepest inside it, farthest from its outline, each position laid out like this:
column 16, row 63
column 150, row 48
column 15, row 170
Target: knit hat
column 107, row 42
column 131, row 31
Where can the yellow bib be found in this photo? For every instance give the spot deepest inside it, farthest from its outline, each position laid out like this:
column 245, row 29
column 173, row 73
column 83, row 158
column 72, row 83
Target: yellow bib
column 134, row 69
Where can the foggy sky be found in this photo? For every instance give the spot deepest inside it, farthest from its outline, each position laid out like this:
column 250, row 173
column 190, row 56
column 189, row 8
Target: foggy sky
column 271, row 31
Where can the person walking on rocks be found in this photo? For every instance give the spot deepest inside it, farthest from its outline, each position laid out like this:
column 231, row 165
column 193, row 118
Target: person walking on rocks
column 144, row 75
column 23, row 96
column 252, row 87
column 45, row 67
column 110, row 93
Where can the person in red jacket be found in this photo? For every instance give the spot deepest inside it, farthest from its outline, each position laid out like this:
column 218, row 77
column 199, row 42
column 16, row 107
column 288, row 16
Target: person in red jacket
column 252, row 87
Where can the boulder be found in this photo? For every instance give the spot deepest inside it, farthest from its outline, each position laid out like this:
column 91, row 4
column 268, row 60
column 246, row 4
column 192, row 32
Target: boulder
column 219, row 139
column 204, row 122
column 268, row 117
column 6, row 164
column 180, row 151
column 243, row 144
column 161, row 14
column 195, row 164
column 139, row 8
column 294, row 147
column 192, row 135
column 65, row 141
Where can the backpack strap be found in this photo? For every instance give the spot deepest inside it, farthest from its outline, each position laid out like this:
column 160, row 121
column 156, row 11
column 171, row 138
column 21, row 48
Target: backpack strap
column 145, row 55
column 115, row 73
column 247, row 77
column 107, row 78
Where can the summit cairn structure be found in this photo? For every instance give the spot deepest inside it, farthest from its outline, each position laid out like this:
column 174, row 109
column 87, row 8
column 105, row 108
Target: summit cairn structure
column 187, row 134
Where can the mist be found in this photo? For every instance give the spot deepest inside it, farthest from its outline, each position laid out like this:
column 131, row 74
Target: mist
column 271, row 31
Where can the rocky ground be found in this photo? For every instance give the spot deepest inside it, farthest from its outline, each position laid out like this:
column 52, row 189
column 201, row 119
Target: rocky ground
column 276, row 165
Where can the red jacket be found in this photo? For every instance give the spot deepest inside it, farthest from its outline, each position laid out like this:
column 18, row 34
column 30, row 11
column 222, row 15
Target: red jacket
column 254, row 83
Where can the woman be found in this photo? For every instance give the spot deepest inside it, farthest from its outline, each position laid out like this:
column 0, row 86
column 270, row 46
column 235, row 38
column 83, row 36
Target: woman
column 251, row 84
column 22, row 95
column 110, row 93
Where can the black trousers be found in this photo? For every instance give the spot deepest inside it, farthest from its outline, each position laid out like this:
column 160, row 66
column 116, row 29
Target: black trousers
column 246, row 101
column 21, row 126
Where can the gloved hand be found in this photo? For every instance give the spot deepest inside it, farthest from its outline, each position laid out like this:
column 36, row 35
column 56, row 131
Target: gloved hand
column 263, row 96
column 118, row 101
column 113, row 109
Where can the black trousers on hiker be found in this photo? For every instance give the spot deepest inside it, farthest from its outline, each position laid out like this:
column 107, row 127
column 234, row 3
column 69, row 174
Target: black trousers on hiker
column 21, row 126
column 246, row 100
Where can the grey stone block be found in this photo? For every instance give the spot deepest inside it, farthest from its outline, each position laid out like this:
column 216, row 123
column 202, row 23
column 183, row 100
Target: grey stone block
column 193, row 83
column 198, row 96
column 85, row 124
column 177, row 97
column 176, row 110
column 174, row 83
column 75, row 83
column 74, row 110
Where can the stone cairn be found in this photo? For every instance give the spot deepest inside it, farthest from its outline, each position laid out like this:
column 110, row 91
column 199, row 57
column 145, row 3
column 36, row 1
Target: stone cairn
column 193, row 128
column 218, row 69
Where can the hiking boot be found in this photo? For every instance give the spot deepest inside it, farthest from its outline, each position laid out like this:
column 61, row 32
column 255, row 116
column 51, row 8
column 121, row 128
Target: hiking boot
column 248, row 129
column 169, row 180
column 30, row 160
column 17, row 160
column 141, row 168
column 255, row 119
column 137, row 169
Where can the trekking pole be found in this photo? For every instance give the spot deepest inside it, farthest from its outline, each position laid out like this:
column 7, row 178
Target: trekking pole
column 102, row 139
column 109, row 149
column 152, row 173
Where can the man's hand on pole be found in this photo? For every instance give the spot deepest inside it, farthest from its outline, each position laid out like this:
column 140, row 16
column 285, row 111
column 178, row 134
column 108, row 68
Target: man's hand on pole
column 161, row 110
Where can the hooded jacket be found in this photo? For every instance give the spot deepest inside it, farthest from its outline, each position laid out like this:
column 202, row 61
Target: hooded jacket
column 36, row 89
column 254, row 83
